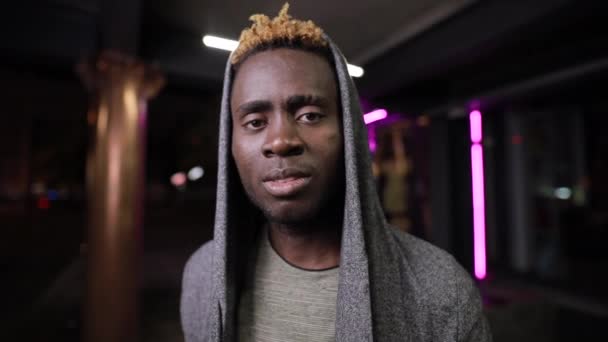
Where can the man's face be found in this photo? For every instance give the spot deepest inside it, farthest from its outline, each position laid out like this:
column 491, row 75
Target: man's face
column 287, row 134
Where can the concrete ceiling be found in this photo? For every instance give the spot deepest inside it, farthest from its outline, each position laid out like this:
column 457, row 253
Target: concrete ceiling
column 363, row 29
column 417, row 54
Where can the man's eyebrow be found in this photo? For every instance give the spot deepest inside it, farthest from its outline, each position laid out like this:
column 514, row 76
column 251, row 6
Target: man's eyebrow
column 297, row 101
column 253, row 107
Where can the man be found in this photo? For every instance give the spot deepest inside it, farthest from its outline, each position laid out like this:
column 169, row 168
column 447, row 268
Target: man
column 301, row 248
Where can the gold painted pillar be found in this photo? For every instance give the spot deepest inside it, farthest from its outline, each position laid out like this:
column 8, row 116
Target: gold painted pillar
column 120, row 87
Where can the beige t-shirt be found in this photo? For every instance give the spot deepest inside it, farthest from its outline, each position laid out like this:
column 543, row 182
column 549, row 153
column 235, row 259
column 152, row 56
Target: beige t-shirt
column 281, row 302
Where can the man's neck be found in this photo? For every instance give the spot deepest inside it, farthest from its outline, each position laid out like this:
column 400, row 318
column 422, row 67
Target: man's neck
column 311, row 249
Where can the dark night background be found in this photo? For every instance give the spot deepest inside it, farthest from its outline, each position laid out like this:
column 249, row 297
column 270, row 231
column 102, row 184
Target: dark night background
column 537, row 70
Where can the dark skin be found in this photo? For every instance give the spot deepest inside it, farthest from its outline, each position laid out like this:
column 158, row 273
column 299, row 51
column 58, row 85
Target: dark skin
column 287, row 145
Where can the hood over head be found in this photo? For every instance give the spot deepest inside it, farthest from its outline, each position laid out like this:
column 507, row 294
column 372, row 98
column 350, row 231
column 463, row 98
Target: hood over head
column 365, row 248
column 391, row 286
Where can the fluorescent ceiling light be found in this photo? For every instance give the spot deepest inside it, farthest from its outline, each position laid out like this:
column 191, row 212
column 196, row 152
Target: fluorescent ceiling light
column 231, row 45
column 354, row 70
column 220, row 43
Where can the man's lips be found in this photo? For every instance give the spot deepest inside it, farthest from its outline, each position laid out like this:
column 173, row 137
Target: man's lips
column 287, row 186
column 286, row 182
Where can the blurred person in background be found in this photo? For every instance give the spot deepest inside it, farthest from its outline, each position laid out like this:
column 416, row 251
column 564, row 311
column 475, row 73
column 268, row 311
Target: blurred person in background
column 391, row 168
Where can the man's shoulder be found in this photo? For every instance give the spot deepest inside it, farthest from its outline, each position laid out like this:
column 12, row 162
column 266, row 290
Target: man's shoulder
column 444, row 289
column 196, row 293
column 436, row 273
column 200, row 262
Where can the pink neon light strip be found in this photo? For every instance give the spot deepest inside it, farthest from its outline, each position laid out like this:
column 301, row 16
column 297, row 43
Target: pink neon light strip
column 479, row 202
column 371, row 138
column 375, row 115
column 475, row 120
column 479, row 216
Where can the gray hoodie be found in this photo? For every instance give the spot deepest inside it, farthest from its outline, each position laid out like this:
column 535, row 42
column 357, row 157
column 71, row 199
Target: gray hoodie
column 392, row 286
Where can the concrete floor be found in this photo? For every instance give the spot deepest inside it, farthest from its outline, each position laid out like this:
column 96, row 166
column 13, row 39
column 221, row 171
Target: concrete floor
column 516, row 311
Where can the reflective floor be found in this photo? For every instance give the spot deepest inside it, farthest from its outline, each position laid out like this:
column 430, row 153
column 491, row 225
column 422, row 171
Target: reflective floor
column 517, row 309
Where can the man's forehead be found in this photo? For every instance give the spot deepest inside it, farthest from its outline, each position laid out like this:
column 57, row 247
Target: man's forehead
column 278, row 75
column 286, row 63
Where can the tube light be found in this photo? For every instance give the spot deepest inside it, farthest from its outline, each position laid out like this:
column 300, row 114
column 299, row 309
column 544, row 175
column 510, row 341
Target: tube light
column 355, row 71
column 479, row 206
column 231, row 45
column 475, row 120
column 375, row 115
column 220, row 43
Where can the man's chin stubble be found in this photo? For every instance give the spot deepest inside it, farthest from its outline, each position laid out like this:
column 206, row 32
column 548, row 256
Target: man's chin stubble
column 306, row 222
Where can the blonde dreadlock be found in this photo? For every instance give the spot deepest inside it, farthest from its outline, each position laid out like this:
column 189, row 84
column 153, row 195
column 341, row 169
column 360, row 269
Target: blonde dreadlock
column 282, row 29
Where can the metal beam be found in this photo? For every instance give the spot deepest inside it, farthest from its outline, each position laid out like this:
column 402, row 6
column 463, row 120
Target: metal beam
column 411, row 29
column 450, row 43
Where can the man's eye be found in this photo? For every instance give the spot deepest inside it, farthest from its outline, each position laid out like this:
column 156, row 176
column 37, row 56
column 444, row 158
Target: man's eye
column 254, row 124
column 310, row 117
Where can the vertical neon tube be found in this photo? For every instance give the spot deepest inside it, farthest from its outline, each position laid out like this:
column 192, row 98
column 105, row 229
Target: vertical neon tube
column 475, row 121
column 479, row 216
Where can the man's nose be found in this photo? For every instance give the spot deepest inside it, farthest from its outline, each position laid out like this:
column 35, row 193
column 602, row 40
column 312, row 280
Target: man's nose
column 283, row 139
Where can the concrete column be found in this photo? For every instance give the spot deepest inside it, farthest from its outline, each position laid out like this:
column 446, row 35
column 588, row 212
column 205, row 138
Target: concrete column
column 441, row 224
column 120, row 87
column 518, row 193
